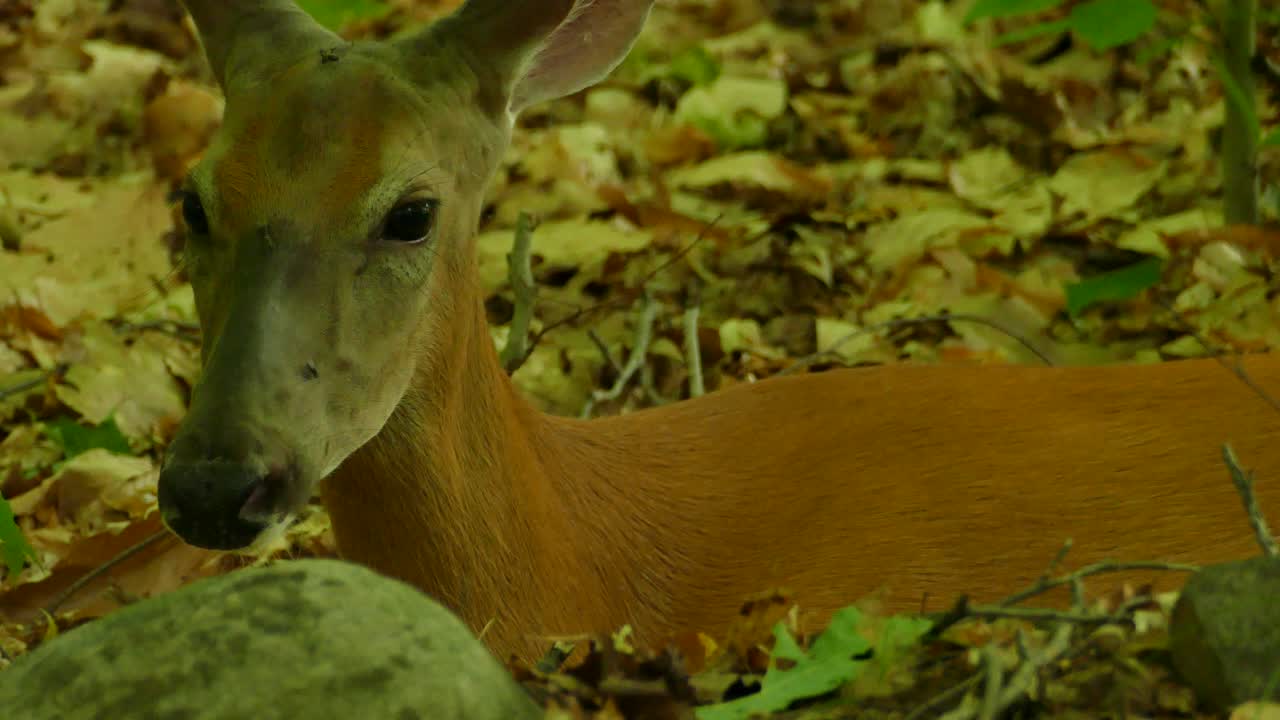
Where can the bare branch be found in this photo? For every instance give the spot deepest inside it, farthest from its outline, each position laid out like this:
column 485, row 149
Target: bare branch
column 1044, row 584
column 1243, row 481
column 640, row 349
column 525, row 291
column 692, row 351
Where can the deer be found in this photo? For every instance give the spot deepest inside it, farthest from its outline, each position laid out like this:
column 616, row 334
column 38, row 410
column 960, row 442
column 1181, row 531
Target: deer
column 330, row 243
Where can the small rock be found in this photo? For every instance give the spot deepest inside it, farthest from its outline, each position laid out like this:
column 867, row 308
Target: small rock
column 1225, row 632
column 305, row 639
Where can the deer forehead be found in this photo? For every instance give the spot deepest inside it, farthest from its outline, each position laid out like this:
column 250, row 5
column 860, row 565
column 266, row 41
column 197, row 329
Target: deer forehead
column 327, row 140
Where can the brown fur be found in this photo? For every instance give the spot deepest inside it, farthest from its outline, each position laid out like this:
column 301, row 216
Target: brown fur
column 929, row 481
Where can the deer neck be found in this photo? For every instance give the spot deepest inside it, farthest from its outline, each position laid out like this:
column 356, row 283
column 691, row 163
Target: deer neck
column 453, row 495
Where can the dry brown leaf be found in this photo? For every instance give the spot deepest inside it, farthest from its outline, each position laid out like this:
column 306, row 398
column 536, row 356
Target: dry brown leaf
column 161, row 567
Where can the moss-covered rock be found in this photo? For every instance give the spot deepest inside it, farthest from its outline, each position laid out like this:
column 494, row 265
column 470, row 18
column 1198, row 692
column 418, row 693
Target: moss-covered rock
column 307, row 639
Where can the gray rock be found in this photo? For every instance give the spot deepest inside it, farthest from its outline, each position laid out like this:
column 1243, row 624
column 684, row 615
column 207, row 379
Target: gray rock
column 1225, row 632
column 309, row 639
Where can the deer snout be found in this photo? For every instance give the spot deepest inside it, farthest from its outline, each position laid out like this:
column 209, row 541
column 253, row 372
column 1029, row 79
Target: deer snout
column 222, row 504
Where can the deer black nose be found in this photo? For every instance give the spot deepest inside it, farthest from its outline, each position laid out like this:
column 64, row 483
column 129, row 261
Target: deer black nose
column 212, row 503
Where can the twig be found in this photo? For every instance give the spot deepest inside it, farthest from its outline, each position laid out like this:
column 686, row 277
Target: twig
column 1078, row 617
column 1107, row 566
column 650, row 389
column 33, row 382
column 604, row 350
column 963, row 610
column 1023, row 679
column 1243, row 481
column 520, row 275
column 1057, row 559
column 692, row 351
column 173, row 328
column 629, row 297
column 554, row 657
column 942, row 622
column 1234, row 366
column 644, row 328
column 1000, row 694
column 1238, row 370
column 895, row 323
column 993, row 682
column 955, row 691
column 97, row 572
column 1020, row 644
column 632, row 688
column 1000, row 691
column 26, row 385
column 1077, row 594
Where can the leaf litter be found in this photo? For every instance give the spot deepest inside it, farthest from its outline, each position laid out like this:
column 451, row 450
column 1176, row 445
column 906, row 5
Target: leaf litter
column 816, row 168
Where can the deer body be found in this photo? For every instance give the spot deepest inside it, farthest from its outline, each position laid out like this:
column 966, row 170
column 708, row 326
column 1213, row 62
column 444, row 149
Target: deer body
column 331, row 248
column 918, row 482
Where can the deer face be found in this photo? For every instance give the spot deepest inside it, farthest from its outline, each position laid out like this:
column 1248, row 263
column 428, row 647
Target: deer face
column 329, row 234
column 319, row 224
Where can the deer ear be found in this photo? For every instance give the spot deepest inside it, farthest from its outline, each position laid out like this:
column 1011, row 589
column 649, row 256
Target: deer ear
column 246, row 40
column 582, row 50
column 545, row 49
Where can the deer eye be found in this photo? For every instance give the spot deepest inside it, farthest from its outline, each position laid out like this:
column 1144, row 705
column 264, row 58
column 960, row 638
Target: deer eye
column 410, row 222
column 193, row 214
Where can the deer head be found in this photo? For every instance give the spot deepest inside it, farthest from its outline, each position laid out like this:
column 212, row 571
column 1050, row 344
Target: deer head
column 330, row 229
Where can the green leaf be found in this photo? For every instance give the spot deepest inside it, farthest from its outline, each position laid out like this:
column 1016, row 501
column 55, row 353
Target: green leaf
column 1163, row 46
column 13, row 546
column 1122, row 284
column 835, row 658
column 736, row 111
column 1105, row 24
column 1033, row 31
column 695, row 66
column 75, row 438
column 1008, row 8
column 1272, row 139
column 333, row 14
column 743, row 131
